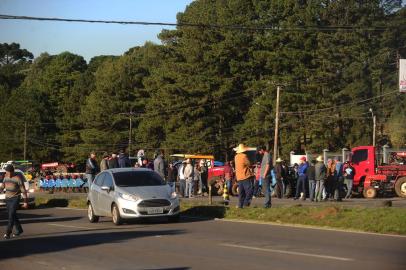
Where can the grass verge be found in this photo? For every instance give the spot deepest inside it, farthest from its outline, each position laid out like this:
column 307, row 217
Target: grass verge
column 385, row 220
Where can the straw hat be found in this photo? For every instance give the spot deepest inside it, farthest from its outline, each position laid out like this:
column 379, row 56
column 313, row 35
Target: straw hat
column 319, row 159
column 279, row 159
column 241, row 148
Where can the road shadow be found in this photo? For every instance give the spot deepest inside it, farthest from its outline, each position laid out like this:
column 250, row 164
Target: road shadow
column 20, row 247
column 27, row 218
column 207, row 212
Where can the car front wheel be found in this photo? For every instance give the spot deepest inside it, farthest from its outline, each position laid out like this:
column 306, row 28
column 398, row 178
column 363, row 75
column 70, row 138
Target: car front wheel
column 115, row 213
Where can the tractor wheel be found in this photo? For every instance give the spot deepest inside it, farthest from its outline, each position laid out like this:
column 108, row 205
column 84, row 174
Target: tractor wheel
column 369, row 192
column 400, row 187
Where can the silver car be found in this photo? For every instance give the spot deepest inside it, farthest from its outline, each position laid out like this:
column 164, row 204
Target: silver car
column 130, row 193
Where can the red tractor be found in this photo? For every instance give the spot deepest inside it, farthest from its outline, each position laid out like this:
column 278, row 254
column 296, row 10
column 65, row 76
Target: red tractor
column 379, row 172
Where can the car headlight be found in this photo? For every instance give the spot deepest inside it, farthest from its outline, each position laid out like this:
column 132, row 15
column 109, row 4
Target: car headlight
column 174, row 195
column 129, row 197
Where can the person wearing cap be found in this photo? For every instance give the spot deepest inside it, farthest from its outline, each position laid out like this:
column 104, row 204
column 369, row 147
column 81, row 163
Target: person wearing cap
column 104, row 163
column 244, row 176
column 320, row 177
column 301, row 181
column 266, row 176
column 14, row 187
column 280, row 175
column 123, row 160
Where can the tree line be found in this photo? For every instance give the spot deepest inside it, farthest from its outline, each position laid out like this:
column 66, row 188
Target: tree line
column 205, row 89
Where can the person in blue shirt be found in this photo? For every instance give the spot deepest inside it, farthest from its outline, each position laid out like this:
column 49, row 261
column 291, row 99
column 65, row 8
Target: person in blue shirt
column 301, row 181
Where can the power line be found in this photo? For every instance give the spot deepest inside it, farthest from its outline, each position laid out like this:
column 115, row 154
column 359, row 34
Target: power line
column 198, row 25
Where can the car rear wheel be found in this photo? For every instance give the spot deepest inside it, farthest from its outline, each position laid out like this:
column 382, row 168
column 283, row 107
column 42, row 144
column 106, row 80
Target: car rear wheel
column 115, row 213
column 90, row 214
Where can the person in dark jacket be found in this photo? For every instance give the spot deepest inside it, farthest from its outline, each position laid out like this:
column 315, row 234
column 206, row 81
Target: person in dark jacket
column 172, row 175
column 123, row 160
column 311, row 175
column 91, row 168
column 301, row 181
column 320, row 172
column 113, row 161
column 280, row 175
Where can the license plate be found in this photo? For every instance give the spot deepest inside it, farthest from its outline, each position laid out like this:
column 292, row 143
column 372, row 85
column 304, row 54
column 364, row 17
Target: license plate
column 156, row 210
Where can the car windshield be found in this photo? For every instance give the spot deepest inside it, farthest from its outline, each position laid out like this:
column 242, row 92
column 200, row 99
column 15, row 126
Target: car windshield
column 137, row 179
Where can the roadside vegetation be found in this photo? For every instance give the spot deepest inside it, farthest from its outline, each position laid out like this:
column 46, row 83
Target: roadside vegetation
column 388, row 220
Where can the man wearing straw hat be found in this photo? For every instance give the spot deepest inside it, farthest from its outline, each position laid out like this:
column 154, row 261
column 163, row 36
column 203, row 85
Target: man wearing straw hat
column 244, row 176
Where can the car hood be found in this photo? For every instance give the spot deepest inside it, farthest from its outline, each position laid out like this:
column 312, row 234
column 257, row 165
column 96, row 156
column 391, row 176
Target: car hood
column 149, row 192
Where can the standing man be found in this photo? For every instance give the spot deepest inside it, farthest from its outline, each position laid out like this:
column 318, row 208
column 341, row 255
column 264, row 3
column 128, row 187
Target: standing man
column 339, row 180
column 244, row 176
column 320, row 171
column 188, row 173
column 91, row 168
column 123, row 160
column 280, row 175
column 311, row 174
column 113, row 161
column 104, row 163
column 301, row 181
column 14, row 186
column 171, row 179
column 182, row 179
column 159, row 163
column 266, row 167
column 228, row 176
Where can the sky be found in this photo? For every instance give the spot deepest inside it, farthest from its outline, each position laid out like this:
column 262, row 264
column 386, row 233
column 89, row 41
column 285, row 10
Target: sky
column 86, row 39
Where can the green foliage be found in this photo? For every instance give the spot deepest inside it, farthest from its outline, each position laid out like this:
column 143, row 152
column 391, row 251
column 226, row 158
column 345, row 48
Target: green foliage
column 206, row 89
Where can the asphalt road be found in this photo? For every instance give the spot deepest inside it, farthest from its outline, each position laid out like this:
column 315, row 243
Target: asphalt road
column 56, row 238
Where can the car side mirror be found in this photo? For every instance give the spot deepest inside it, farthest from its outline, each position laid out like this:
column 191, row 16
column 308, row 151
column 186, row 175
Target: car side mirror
column 106, row 188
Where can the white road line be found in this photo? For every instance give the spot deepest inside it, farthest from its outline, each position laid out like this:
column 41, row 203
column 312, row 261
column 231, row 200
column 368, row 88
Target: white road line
column 289, row 252
column 70, row 226
column 300, row 226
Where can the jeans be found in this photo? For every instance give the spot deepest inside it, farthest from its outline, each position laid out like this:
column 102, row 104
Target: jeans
column 182, row 187
column 320, row 190
column 200, row 185
column 245, row 192
column 12, row 205
column 189, row 188
column 280, row 188
column 301, row 186
column 348, row 183
column 266, row 185
column 90, row 179
column 312, row 189
column 338, row 187
column 256, row 189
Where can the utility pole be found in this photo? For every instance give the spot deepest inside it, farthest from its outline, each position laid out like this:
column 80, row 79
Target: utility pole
column 25, row 140
column 275, row 142
column 374, row 127
column 130, row 135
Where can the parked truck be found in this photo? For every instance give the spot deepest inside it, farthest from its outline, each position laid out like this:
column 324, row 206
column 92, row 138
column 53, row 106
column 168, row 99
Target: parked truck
column 379, row 171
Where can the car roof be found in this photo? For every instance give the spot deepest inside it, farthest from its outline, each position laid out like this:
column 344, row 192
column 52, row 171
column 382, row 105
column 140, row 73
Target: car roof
column 3, row 170
column 130, row 169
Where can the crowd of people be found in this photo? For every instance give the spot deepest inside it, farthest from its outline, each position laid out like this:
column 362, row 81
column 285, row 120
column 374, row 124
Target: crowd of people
column 314, row 180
